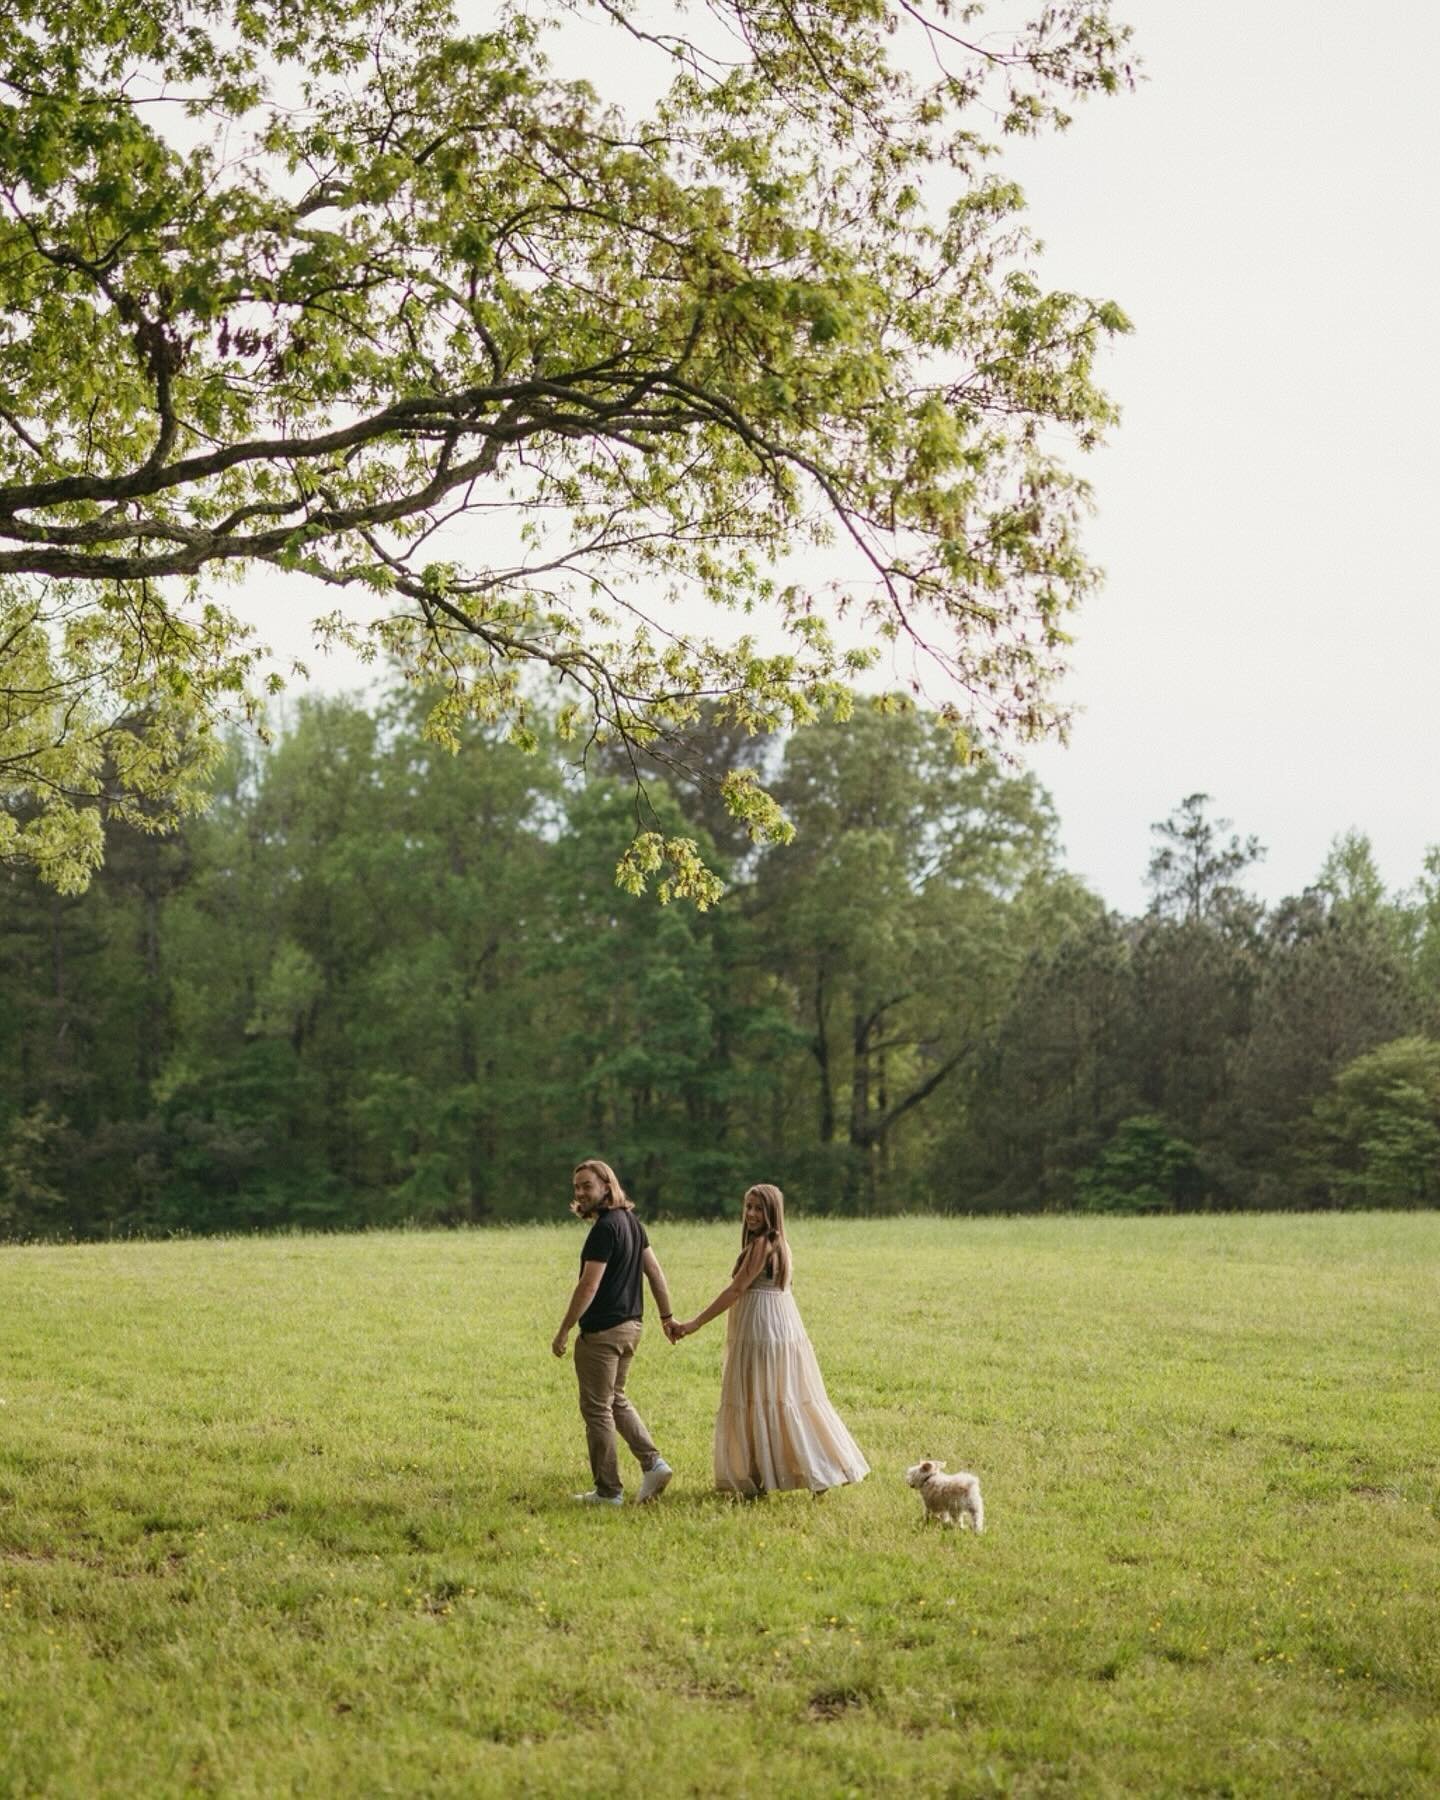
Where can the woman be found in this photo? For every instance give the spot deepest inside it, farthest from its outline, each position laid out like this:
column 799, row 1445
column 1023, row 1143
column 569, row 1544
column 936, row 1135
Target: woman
column 776, row 1427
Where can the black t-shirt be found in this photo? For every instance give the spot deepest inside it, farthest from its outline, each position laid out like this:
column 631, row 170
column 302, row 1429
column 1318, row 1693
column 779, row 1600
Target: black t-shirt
column 617, row 1238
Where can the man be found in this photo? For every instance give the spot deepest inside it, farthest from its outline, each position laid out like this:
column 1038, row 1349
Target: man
column 608, row 1304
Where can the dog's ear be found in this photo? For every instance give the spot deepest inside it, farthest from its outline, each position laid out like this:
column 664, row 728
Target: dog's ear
column 938, row 1465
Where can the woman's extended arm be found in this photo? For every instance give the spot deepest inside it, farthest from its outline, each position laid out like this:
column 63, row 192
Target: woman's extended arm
column 750, row 1267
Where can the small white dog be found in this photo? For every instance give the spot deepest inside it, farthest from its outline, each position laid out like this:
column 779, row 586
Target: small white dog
column 953, row 1499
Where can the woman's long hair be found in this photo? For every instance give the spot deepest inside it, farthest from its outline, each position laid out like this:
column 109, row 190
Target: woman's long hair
column 772, row 1229
column 615, row 1198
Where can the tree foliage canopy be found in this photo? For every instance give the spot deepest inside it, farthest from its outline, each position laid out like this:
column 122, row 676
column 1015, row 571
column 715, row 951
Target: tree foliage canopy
column 366, row 289
column 1193, row 871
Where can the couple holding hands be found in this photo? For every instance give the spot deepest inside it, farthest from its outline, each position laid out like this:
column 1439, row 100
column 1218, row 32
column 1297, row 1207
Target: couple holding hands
column 775, row 1427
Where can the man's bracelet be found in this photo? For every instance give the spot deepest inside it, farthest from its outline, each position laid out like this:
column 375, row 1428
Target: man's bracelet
column 665, row 1316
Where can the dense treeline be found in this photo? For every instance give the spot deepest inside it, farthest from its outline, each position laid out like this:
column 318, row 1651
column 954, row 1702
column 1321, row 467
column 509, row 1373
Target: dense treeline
column 379, row 982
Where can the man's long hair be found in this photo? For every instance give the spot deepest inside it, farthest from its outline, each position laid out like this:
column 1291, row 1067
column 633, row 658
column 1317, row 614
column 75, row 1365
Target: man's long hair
column 772, row 1229
column 614, row 1198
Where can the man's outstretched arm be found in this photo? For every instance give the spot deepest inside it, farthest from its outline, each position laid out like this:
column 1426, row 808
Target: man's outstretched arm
column 659, row 1287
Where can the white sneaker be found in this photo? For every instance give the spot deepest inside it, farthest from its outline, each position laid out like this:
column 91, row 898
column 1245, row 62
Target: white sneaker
column 594, row 1499
column 654, row 1482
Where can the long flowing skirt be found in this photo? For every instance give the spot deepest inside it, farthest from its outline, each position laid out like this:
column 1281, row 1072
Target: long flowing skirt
column 776, row 1427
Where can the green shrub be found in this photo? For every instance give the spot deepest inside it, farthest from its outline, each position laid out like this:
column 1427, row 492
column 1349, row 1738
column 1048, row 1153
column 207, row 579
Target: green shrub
column 1378, row 1130
column 1142, row 1169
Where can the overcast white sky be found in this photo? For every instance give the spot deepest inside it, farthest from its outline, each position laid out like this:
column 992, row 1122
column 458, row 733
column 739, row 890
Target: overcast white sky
column 1267, row 209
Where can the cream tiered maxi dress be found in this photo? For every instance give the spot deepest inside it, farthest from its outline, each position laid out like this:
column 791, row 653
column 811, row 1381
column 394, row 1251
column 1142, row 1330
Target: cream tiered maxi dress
column 776, row 1427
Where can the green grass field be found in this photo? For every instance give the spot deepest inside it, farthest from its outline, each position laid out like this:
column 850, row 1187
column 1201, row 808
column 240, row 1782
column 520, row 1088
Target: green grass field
column 292, row 1516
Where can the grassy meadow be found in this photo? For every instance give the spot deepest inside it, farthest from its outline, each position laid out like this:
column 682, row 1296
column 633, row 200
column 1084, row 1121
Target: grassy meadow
column 292, row 1516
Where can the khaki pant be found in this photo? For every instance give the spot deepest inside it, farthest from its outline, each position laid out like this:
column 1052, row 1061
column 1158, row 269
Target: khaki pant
column 602, row 1361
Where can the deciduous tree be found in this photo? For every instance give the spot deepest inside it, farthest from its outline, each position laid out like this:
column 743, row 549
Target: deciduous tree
column 898, row 921
column 309, row 285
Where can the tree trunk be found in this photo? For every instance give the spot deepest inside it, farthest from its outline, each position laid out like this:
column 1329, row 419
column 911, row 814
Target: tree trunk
column 57, row 965
column 863, row 1124
column 821, row 1048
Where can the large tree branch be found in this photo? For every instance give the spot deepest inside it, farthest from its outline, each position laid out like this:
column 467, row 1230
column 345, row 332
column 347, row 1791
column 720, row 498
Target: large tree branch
column 444, row 413
column 879, row 1125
